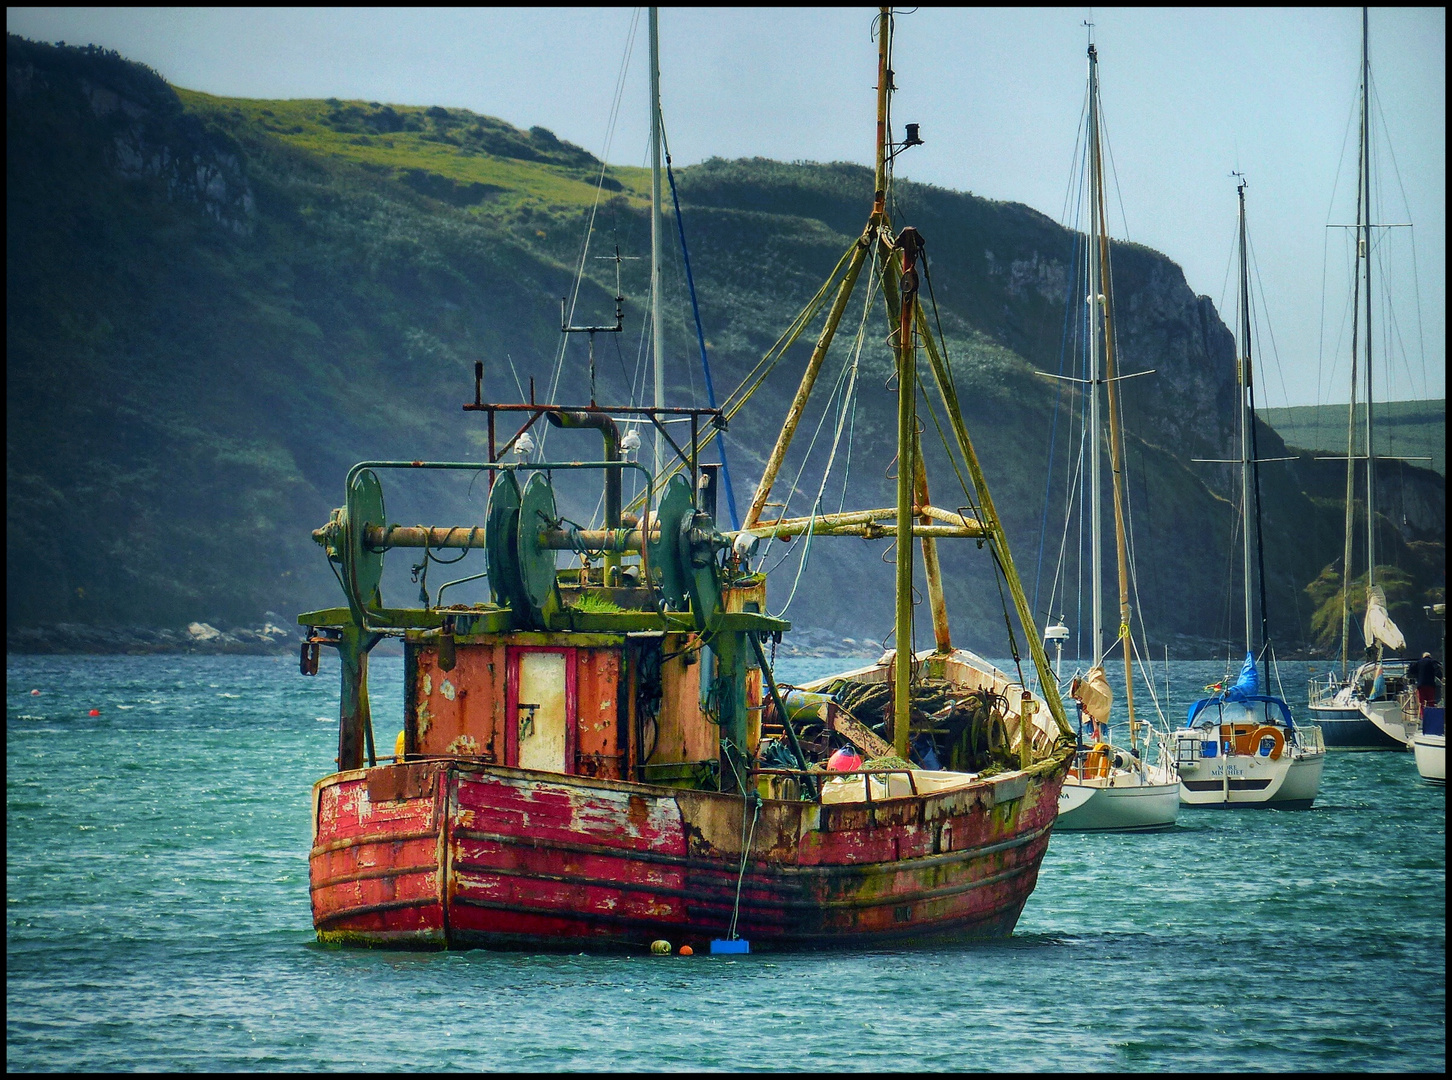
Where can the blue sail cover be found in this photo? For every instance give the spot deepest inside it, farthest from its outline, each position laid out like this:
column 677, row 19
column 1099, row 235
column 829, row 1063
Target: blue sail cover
column 1245, row 689
column 1247, row 683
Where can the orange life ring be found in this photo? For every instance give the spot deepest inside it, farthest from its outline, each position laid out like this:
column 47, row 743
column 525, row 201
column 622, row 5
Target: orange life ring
column 1278, row 745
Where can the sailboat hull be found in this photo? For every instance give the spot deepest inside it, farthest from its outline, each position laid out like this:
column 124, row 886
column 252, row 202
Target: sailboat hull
column 1242, row 761
column 1347, row 728
column 1431, row 754
column 1128, row 808
column 1392, row 721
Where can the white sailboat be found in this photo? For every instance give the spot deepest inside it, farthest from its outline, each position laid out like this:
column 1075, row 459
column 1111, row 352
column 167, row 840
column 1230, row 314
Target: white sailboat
column 1109, row 788
column 1429, row 743
column 1240, row 746
column 1366, row 709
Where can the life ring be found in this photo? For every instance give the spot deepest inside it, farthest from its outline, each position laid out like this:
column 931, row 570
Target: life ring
column 1277, row 736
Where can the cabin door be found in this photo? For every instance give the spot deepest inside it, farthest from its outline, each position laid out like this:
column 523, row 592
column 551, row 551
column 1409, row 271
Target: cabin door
column 541, row 707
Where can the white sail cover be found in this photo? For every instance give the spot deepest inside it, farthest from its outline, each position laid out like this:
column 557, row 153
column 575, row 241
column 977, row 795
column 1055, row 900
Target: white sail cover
column 1378, row 625
column 1094, row 693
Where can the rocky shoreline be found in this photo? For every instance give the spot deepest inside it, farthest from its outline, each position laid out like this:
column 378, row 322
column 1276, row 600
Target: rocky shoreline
column 275, row 636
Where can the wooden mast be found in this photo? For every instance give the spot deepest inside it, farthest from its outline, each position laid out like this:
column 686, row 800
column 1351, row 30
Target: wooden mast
column 1116, row 467
column 900, row 291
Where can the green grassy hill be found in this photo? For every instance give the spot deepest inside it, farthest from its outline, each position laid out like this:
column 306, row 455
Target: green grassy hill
column 216, row 306
column 1413, row 429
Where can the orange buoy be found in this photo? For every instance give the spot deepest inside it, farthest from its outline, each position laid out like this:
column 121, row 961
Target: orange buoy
column 686, row 950
column 95, row 712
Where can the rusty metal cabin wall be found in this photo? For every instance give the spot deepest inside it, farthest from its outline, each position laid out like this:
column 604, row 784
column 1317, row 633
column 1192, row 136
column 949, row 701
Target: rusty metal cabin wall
column 682, row 731
column 460, row 711
column 600, row 737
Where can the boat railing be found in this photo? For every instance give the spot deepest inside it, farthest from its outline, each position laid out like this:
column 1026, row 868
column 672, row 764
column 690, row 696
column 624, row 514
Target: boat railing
column 833, row 775
column 1308, row 737
column 1320, row 691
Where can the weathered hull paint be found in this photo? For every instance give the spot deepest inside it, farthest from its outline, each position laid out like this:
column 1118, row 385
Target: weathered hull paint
column 454, row 854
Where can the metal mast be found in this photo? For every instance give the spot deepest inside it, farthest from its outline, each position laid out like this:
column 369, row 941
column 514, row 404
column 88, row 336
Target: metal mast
column 1095, row 300
column 1363, row 196
column 1243, row 363
column 1247, row 436
column 656, row 327
column 1363, row 255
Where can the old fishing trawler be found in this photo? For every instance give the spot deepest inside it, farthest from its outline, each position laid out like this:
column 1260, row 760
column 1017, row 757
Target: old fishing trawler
column 586, row 759
column 1130, row 786
column 1240, row 745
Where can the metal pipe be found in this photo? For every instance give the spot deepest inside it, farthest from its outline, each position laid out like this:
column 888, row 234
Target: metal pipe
column 786, row 720
column 587, row 418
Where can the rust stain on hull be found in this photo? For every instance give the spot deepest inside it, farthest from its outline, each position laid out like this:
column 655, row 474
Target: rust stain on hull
column 456, row 854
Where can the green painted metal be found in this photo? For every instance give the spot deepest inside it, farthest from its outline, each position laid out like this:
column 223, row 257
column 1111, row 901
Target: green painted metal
column 501, row 527
column 697, row 554
column 537, row 562
column 362, row 566
column 676, row 504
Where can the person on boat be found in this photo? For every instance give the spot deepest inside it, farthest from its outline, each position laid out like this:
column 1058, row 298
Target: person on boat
column 1428, row 673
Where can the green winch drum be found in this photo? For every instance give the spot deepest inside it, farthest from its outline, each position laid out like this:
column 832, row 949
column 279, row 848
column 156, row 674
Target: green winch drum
column 666, row 563
column 501, row 528
column 537, row 562
column 363, row 566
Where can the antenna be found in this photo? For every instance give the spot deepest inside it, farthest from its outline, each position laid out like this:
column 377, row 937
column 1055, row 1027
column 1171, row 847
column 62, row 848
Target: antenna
column 593, row 330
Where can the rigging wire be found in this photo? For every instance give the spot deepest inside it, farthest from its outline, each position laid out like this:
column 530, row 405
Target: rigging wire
column 594, row 208
column 847, row 406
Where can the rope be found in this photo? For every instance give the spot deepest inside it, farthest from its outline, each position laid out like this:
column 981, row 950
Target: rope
column 848, row 398
column 700, row 334
column 745, row 851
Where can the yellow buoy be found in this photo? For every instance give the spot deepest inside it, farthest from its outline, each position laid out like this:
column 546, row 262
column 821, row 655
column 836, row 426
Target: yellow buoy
column 398, row 747
column 660, row 948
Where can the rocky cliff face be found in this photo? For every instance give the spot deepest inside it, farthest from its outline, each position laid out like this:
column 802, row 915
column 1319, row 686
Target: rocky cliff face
column 137, row 122
column 207, row 325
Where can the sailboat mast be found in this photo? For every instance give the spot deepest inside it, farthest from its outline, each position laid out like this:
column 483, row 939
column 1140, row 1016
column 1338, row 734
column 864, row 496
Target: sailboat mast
column 656, row 326
column 1115, row 454
column 1364, row 219
column 1243, row 379
column 1096, row 573
column 906, row 406
column 1253, row 455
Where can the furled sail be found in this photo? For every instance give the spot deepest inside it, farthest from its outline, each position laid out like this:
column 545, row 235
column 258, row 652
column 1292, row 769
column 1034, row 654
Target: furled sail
column 1378, row 626
column 1093, row 692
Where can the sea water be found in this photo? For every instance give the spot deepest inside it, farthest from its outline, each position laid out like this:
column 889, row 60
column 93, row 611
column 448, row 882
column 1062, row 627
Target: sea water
column 158, row 918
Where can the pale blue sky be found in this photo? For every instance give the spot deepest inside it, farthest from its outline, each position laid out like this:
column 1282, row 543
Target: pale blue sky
column 1189, row 95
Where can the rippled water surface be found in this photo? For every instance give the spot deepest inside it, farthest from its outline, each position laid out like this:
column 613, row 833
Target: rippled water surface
column 157, row 898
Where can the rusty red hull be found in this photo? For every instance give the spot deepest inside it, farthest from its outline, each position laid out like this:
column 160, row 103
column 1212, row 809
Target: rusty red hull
column 452, row 854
